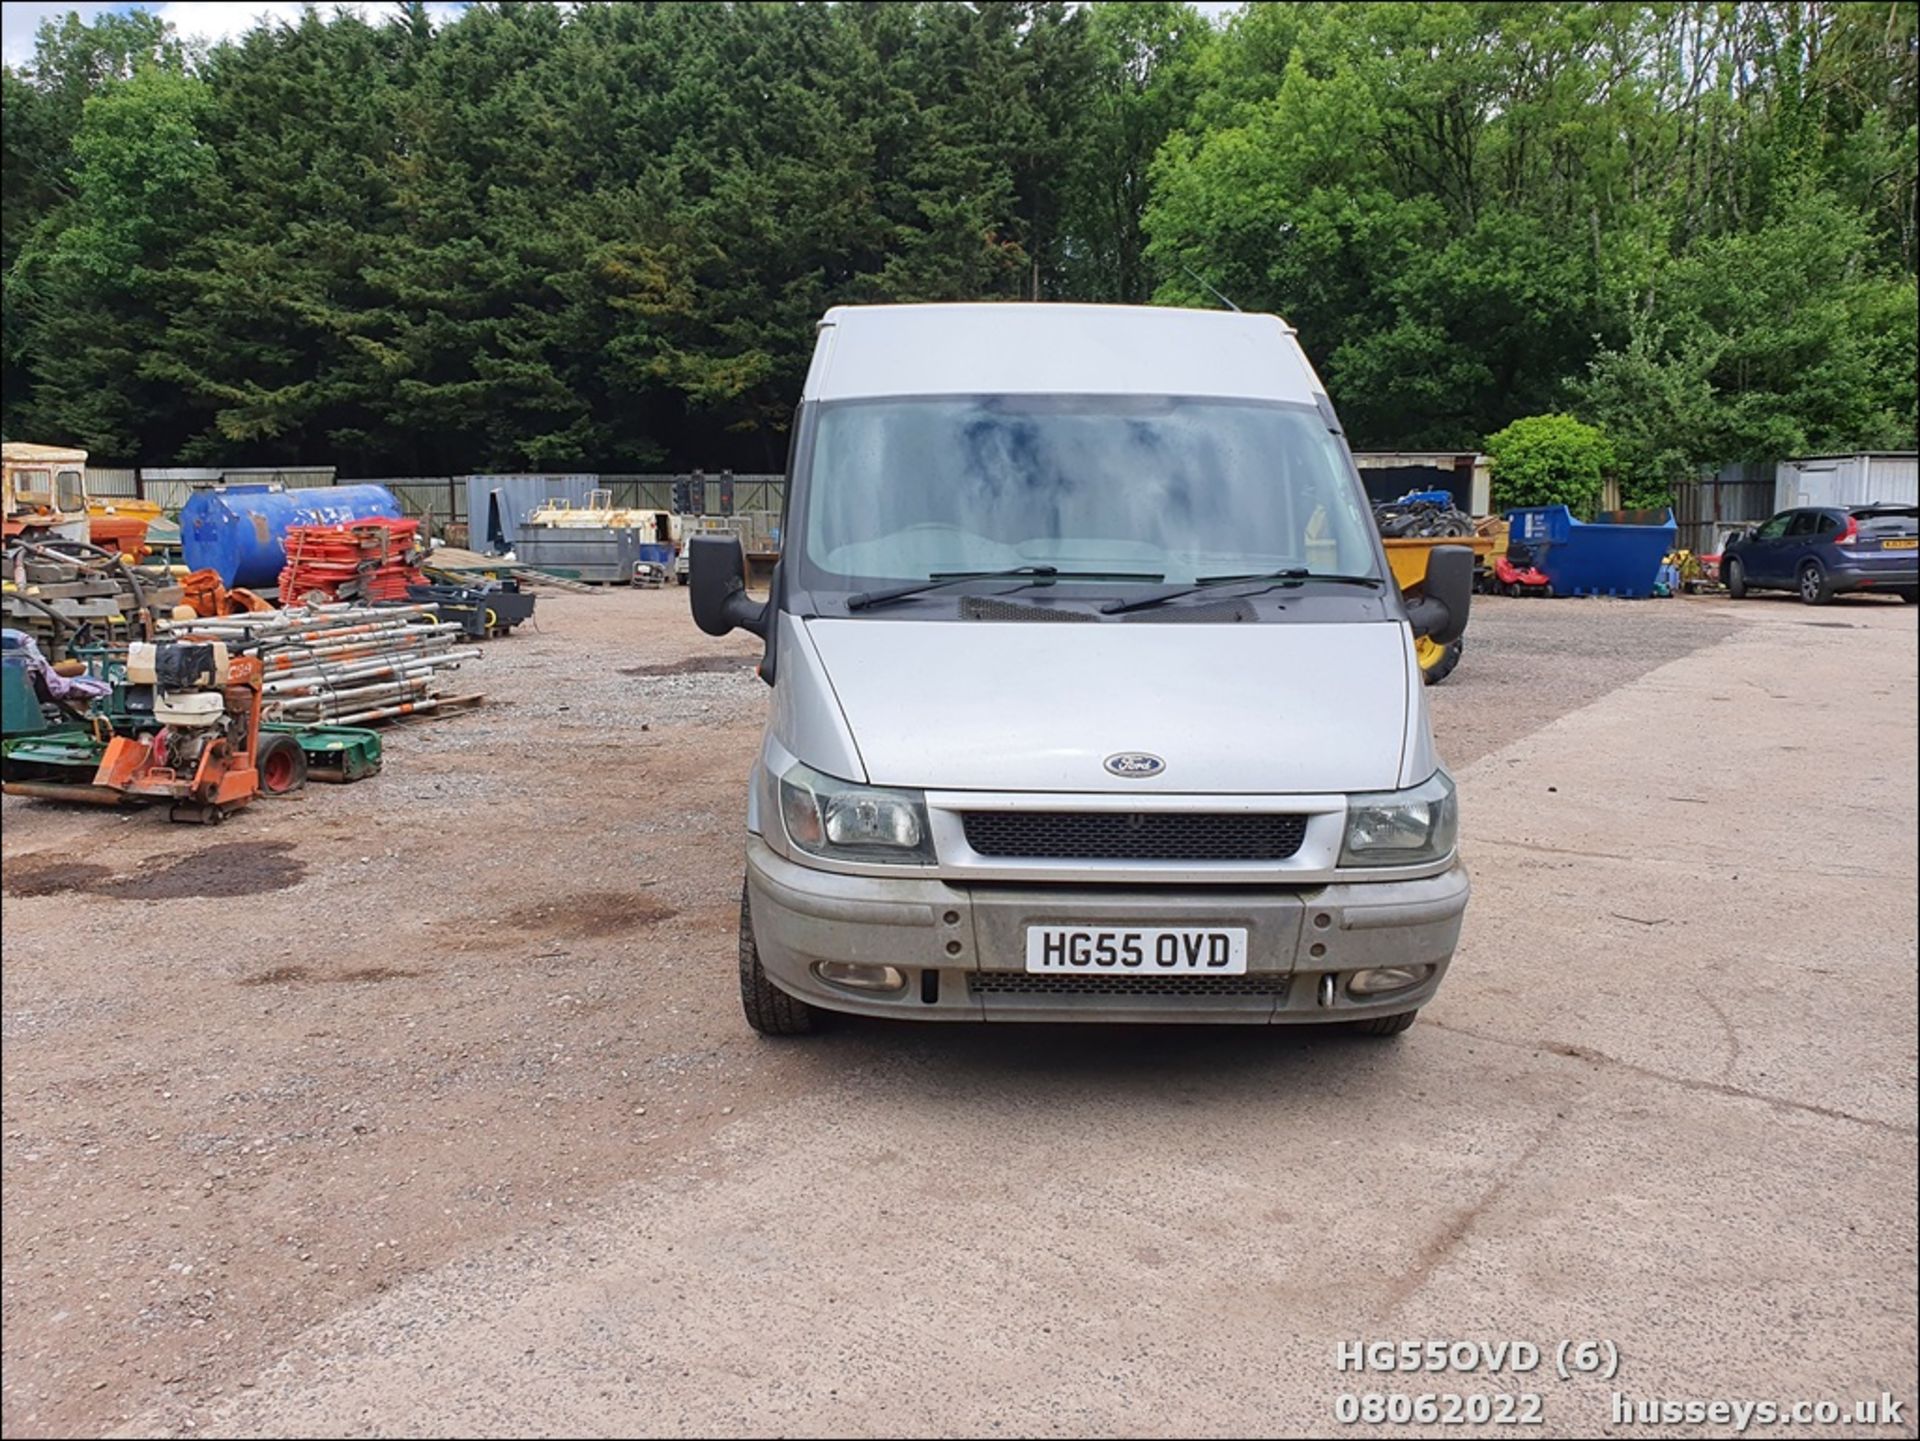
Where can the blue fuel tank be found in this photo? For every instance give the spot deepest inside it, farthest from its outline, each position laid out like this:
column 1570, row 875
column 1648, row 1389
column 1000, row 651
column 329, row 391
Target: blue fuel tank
column 240, row 531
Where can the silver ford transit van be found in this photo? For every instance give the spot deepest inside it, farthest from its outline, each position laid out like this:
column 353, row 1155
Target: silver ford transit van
column 1093, row 697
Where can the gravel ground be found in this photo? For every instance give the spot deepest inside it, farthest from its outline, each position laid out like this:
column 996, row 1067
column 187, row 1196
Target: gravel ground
column 1527, row 660
column 255, row 1077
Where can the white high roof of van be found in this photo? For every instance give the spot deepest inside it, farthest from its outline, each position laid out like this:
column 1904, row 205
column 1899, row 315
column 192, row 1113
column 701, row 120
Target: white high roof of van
column 1026, row 349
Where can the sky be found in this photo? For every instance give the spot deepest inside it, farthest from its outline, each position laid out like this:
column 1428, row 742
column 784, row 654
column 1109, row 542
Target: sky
column 205, row 19
column 218, row 19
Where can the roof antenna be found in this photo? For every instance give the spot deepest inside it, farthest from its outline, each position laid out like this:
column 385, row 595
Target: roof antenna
column 1203, row 284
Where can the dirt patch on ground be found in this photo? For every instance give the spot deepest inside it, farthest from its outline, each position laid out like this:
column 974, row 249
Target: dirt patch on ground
column 374, row 973
column 693, row 665
column 294, row 975
column 278, row 976
column 49, row 875
column 589, row 913
column 236, row 868
column 240, row 868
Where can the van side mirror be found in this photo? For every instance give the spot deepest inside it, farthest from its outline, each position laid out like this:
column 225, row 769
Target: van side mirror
column 1439, row 610
column 717, row 585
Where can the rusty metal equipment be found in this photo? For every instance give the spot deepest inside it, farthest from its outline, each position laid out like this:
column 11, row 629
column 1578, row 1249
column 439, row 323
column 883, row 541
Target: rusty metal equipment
column 203, row 759
column 43, row 493
column 63, row 591
column 120, row 524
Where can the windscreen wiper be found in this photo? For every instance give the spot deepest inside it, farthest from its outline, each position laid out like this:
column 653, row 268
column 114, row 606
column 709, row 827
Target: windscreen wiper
column 862, row 600
column 1292, row 576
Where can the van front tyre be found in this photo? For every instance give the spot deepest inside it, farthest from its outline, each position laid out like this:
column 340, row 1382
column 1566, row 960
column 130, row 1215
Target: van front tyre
column 1385, row 1025
column 1736, row 580
column 770, row 1010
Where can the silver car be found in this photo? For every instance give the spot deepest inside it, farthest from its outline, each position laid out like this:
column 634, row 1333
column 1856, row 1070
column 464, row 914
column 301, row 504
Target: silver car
column 1093, row 696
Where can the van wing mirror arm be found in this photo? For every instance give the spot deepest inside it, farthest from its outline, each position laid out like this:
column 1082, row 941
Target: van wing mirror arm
column 1438, row 610
column 717, row 585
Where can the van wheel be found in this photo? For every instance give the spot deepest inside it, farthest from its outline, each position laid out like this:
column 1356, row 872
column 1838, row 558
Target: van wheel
column 1736, row 580
column 1385, row 1025
column 770, row 1010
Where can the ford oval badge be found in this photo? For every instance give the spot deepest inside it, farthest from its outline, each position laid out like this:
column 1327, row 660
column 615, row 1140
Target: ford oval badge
column 1135, row 765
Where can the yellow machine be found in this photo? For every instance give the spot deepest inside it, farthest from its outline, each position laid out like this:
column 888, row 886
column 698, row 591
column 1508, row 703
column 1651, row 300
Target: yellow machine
column 598, row 512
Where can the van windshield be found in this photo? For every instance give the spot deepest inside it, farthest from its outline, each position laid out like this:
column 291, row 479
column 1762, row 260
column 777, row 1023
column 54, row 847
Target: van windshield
column 1174, row 488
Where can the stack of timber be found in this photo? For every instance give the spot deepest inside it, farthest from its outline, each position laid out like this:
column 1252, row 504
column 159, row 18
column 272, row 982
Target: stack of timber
column 459, row 565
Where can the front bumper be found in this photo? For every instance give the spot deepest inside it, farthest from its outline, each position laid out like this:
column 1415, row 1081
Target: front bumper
column 962, row 946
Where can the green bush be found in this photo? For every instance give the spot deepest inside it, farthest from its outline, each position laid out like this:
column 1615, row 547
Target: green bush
column 1549, row 460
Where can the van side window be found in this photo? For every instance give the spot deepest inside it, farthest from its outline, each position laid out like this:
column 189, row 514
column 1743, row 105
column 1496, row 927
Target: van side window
column 1802, row 523
column 1826, row 525
column 1774, row 528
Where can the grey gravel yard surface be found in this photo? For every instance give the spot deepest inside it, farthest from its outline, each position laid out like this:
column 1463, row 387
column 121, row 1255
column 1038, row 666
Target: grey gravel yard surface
column 1528, row 659
column 425, row 1104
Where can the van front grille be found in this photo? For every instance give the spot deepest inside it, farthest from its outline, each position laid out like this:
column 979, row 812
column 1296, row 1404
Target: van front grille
column 1019, row 983
column 1134, row 836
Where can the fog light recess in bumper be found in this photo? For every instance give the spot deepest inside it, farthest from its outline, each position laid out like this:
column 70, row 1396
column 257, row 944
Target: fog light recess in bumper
column 858, row 976
column 1380, row 980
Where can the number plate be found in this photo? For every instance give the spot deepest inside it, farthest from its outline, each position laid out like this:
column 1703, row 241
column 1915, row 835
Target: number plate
column 1140, row 950
column 1899, row 544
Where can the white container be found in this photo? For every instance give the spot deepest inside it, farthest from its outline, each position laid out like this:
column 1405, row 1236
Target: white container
column 1885, row 478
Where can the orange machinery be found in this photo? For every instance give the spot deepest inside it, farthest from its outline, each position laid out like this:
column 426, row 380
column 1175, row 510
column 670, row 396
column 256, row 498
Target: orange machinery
column 118, row 524
column 204, row 756
column 202, row 590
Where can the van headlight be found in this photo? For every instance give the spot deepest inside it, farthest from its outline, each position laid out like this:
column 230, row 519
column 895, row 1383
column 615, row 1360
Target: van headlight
column 847, row 822
column 1402, row 828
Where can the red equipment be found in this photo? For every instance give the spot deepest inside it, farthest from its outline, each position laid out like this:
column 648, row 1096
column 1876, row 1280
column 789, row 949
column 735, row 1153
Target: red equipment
column 1519, row 578
column 366, row 560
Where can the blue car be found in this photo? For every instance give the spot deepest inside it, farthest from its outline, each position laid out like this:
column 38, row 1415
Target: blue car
column 1826, row 550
